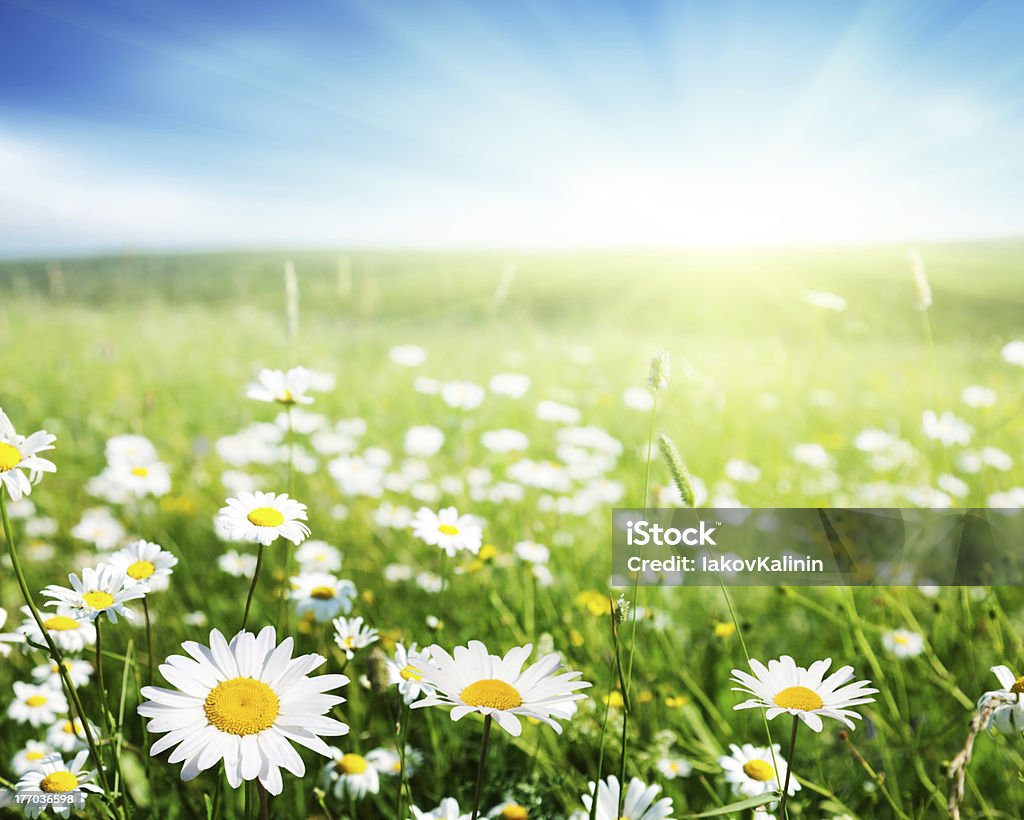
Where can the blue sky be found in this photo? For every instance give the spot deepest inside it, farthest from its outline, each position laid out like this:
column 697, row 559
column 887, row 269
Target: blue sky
column 563, row 123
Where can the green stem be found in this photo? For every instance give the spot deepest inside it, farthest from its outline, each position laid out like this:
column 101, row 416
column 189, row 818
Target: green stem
column 252, row 586
column 480, row 768
column 789, row 769
column 264, row 801
column 604, row 730
column 55, row 654
column 149, row 639
column 288, row 544
column 401, row 735
column 627, row 709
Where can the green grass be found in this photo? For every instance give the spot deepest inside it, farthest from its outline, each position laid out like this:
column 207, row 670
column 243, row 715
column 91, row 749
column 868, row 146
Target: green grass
column 164, row 345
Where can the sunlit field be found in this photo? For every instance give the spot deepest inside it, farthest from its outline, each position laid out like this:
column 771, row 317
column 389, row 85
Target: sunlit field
column 780, row 394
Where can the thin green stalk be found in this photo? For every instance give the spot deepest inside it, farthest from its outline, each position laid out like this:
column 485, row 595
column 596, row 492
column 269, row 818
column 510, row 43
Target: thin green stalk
column 55, row 654
column 252, row 586
column 604, row 730
column 636, row 581
column 401, row 736
column 149, row 639
column 108, row 716
column 288, row 544
column 789, row 769
column 746, row 654
column 119, row 742
column 636, row 599
column 480, row 768
column 264, row 801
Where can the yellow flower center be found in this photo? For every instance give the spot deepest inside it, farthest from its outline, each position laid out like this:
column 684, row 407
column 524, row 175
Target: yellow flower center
column 410, row 672
column 323, row 593
column 10, row 456
column 760, row 770
column 141, row 570
column 513, row 812
column 34, row 756
column 800, row 698
column 35, row 701
column 242, row 706
column 60, row 623
column 265, row 517
column 448, row 529
column 491, row 693
column 1018, row 686
column 351, row 764
column 902, row 640
column 68, row 728
column 286, row 397
column 59, row 782
column 141, row 472
column 98, row 599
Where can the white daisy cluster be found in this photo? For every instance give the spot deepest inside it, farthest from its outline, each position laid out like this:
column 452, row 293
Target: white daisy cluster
column 133, row 471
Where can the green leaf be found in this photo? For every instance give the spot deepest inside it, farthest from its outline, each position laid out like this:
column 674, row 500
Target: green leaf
column 743, row 805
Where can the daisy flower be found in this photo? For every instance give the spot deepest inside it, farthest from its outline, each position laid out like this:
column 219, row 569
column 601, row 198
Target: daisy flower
column 504, row 440
column 318, row 555
column 350, row 774
column 476, row 681
column 146, row 562
column 7, row 638
column 242, row 702
column 48, row 673
column 64, row 627
column 448, row 809
column 557, row 412
column 903, row 643
column 30, row 757
column 322, row 594
column 638, row 803
column 282, row 387
column 36, row 705
column 638, row 398
column 448, row 530
column 406, row 670
column 389, row 763
column 130, row 449
column 98, row 526
column 424, row 441
column 673, row 767
column 1013, row 353
column 947, row 428
column 68, row 736
column 408, row 355
column 263, row 517
column 751, row 772
column 783, row 686
column 462, row 395
column 20, row 464
column 509, row 810
column 1008, row 717
column 513, row 385
column 350, row 634
column 236, row 564
column 532, row 552
column 140, row 480
column 102, row 590
column 54, row 776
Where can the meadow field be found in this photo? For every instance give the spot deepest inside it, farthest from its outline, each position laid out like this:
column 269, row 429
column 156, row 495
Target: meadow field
column 780, row 394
